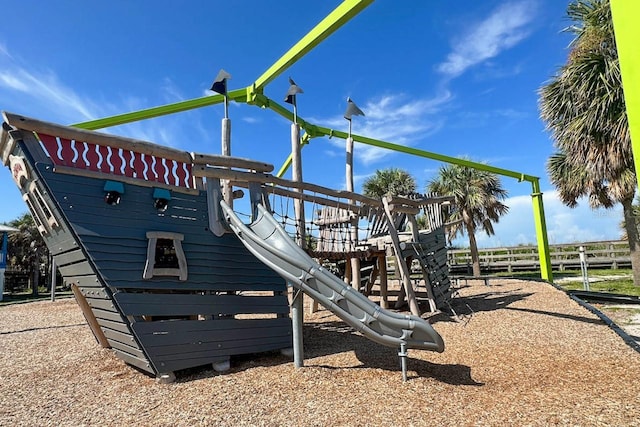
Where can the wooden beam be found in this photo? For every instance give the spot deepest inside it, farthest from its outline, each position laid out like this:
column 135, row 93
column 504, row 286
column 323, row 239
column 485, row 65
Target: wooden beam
column 231, row 162
column 113, row 141
column 88, row 315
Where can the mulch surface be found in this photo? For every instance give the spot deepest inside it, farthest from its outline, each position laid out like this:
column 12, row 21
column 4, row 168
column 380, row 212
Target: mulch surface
column 528, row 355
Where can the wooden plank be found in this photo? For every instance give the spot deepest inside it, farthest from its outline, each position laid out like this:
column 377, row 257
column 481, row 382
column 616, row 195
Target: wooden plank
column 112, row 316
column 124, row 338
column 89, row 281
column 79, row 269
column 7, row 145
column 183, row 326
column 106, row 305
column 223, row 348
column 185, row 305
column 244, row 177
column 90, row 318
column 90, row 188
column 121, row 178
column 116, row 326
column 60, row 240
column 141, row 363
column 171, row 343
column 93, row 292
column 231, row 162
column 188, row 360
column 217, row 286
column 69, row 257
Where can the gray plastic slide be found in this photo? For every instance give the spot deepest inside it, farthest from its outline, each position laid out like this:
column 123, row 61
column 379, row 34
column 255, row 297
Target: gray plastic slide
column 268, row 241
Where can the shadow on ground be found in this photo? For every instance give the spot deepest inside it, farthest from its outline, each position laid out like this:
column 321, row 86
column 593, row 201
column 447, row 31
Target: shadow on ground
column 334, row 337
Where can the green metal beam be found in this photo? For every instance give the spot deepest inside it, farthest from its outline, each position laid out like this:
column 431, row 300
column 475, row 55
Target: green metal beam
column 316, row 131
column 340, row 15
column 238, row 95
column 626, row 14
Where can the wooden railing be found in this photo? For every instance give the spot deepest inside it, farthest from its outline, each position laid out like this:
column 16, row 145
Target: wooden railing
column 606, row 254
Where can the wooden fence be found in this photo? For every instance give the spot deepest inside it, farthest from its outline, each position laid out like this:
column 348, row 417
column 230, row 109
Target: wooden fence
column 606, row 254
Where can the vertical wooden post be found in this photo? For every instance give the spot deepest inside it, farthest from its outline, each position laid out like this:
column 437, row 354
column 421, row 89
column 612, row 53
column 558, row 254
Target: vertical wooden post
column 404, row 271
column 226, row 151
column 297, row 305
column 382, row 267
column 355, row 262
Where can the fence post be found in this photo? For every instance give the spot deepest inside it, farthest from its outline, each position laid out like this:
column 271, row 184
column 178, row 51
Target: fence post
column 583, row 267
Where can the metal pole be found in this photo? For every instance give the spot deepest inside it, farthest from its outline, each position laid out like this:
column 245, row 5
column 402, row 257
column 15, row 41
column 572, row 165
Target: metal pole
column 3, row 261
column 2, row 270
column 583, row 267
column 541, row 231
column 53, row 279
column 297, row 305
column 403, row 360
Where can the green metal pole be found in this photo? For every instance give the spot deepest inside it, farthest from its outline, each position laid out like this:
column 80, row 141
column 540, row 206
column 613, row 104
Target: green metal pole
column 626, row 14
column 287, row 163
column 322, row 131
column 340, row 15
column 544, row 254
column 120, row 119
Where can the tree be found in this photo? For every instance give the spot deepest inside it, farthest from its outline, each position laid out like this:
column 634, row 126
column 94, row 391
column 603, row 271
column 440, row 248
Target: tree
column 584, row 110
column 27, row 249
column 636, row 219
column 478, row 199
column 391, row 181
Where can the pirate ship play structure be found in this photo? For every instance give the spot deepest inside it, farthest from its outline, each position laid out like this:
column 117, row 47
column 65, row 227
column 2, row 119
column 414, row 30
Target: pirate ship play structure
column 169, row 277
column 167, row 274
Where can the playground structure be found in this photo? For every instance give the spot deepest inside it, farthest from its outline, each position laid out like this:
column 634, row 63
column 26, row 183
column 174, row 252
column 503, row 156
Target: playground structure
column 143, row 234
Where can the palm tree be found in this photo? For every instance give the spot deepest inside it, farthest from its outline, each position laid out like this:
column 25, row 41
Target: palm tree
column 583, row 108
column 478, row 200
column 636, row 219
column 391, row 181
column 27, row 249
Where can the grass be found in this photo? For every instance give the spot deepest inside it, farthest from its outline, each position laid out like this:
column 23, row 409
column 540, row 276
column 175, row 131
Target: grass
column 572, row 280
column 27, row 296
column 618, row 286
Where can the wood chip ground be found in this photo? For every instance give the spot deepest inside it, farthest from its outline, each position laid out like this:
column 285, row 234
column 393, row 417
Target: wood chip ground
column 528, row 356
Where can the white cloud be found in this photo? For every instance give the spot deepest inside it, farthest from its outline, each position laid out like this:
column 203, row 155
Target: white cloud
column 4, row 51
column 17, row 82
column 503, row 29
column 564, row 224
column 170, row 91
column 392, row 118
column 250, row 120
column 48, row 98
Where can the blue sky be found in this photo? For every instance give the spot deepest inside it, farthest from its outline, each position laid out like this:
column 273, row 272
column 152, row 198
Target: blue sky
column 457, row 78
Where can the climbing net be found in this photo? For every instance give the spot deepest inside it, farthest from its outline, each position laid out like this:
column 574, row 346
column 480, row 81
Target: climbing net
column 328, row 225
